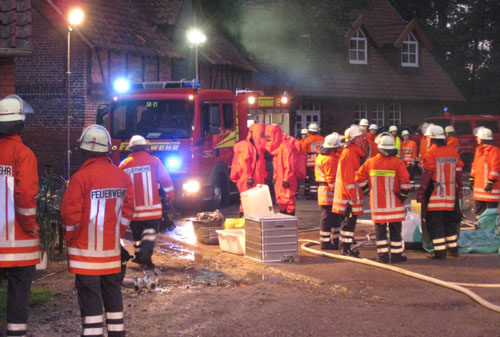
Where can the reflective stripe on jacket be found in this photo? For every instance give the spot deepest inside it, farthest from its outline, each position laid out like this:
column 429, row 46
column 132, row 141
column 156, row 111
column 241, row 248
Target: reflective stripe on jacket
column 346, row 190
column 486, row 166
column 96, row 210
column 18, row 189
column 444, row 162
column 326, row 171
column 311, row 146
column 386, row 177
column 409, row 151
column 146, row 171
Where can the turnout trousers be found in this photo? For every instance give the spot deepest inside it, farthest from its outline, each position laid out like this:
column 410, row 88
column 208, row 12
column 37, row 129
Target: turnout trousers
column 94, row 291
column 329, row 225
column 144, row 234
column 18, row 295
column 311, row 187
column 443, row 227
column 395, row 246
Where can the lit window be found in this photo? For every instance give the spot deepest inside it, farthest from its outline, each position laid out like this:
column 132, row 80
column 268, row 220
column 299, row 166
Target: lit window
column 378, row 114
column 409, row 52
column 358, row 48
column 395, row 114
column 360, row 112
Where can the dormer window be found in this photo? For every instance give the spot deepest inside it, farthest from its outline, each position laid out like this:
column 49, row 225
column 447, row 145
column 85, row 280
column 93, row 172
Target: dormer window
column 409, row 52
column 358, row 48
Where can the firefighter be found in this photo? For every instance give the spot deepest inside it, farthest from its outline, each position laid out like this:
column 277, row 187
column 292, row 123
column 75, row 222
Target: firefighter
column 441, row 187
column 409, row 154
column 96, row 210
column 485, row 173
column 249, row 165
column 365, row 144
column 387, row 179
column 393, row 129
column 372, row 133
column 424, row 144
column 311, row 147
column 19, row 241
column 450, row 137
column 326, row 171
column 146, row 171
column 348, row 196
column 284, row 179
column 303, row 136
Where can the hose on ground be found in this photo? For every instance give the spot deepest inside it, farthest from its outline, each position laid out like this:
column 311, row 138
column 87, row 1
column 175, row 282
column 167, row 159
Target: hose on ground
column 450, row 285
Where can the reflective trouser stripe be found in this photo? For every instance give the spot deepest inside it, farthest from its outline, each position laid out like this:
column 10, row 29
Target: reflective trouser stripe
column 451, row 241
column 324, row 236
column 114, row 321
column 382, row 246
column 397, row 247
column 439, row 244
column 335, row 233
column 16, row 329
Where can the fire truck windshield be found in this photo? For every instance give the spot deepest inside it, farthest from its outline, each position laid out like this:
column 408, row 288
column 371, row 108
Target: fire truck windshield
column 153, row 119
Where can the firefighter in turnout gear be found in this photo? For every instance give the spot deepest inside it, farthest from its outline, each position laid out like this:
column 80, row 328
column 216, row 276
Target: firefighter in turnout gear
column 248, row 168
column 96, row 210
column 393, row 130
column 409, row 154
column 19, row 243
column 326, row 171
column 450, row 137
column 311, row 147
column 284, row 178
column 372, row 133
column 365, row 144
column 441, row 187
column 146, row 171
column 348, row 196
column 485, row 173
column 387, row 179
column 424, row 145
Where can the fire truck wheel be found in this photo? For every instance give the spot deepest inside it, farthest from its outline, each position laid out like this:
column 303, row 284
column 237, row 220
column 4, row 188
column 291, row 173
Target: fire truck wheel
column 219, row 192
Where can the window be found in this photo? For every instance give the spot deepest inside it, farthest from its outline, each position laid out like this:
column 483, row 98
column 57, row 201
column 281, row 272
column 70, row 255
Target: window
column 227, row 113
column 492, row 125
column 378, row 115
column 463, row 128
column 360, row 112
column 409, row 52
column 395, row 114
column 358, row 48
column 209, row 111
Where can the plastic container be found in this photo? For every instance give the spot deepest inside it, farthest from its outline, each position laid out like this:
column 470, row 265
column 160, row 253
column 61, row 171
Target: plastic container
column 416, row 207
column 238, row 223
column 232, row 240
column 257, row 201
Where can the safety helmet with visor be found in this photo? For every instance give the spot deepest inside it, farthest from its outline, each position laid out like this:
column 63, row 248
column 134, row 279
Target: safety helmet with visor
column 435, row 132
column 483, row 133
column 313, row 127
column 332, row 141
column 363, row 122
column 385, row 141
column 95, row 138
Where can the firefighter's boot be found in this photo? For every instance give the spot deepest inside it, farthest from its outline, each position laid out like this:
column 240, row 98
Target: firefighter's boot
column 383, row 257
column 327, row 246
column 453, row 251
column 398, row 257
column 439, row 255
column 346, row 250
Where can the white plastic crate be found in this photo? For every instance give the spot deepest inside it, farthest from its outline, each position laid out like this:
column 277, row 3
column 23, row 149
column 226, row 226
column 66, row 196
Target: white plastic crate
column 257, row 201
column 232, row 240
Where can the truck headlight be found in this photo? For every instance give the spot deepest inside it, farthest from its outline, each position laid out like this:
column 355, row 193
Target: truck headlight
column 192, row 186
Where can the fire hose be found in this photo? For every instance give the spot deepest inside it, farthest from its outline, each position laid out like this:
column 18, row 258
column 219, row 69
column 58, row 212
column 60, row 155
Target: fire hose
column 450, row 285
column 148, row 282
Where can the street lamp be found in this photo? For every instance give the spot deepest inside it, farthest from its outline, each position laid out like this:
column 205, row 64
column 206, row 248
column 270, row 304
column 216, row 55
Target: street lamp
column 75, row 18
column 196, row 37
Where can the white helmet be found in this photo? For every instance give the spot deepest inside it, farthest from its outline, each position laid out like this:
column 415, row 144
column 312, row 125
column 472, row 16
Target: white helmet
column 373, row 127
column 393, row 128
column 405, row 132
column 385, row 141
column 137, row 140
column 14, row 108
column 313, row 127
column 352, row 132
column 303, row 132
column 332, row 141
column 423, row 128
column 435, row 132
column 95, row 138
column 449, row 128
column 363, row 122
column 483, row 133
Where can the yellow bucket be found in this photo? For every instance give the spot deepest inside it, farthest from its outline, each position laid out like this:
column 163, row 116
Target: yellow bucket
column 238, row 223
column 416, row 207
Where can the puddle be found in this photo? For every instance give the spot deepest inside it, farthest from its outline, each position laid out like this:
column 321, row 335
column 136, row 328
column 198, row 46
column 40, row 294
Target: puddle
column 257, row 277
column 205, row 275
column 182, row 252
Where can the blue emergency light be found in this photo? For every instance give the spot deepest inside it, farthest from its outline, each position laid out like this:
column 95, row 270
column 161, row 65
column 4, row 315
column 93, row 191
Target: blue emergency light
column 173, row 163
column 121, row 85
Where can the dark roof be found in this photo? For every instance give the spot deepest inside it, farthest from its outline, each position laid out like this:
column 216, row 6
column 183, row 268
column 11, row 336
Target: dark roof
column 15, row 27
column 382, row 78
column 162, row 11
column 111, row 24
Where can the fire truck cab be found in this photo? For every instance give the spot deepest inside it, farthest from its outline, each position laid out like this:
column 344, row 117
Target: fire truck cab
column 191, row 130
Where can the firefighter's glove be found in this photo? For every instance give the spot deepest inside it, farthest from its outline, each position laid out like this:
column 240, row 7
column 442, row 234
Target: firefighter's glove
column 366, row 189
column 250, row 182
column 403, row 195
column 286, row 184
column 489, row 186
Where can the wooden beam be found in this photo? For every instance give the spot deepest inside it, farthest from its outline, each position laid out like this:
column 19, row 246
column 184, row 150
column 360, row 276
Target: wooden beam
column 101, row 68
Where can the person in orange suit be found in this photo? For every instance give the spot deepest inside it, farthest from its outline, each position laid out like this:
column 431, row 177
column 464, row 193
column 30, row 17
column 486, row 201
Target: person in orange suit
column 388, row 181
column 372, row 133
column 450, row 137
column 326, row 172
column 311, row 147
column 248, row 168
column 409, row 154
column 284, row 176
column 485, row 173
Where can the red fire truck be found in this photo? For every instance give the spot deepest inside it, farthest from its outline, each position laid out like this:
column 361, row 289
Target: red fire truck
column 192, row 130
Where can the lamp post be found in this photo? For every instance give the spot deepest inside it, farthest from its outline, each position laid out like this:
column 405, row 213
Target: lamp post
column 75, row 18
column 196, row 37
